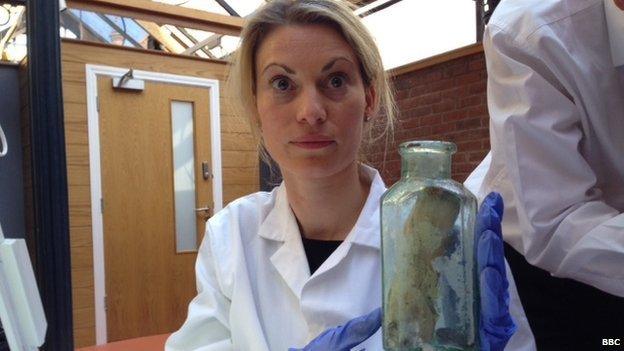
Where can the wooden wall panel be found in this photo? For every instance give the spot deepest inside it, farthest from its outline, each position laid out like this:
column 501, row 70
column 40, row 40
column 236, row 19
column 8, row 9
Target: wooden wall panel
column 81, row 237
column 78, row 175
column 82, row 298
column 235, row 159
column 84, row 318
column 239, row 155
column 85, row 333
column 237, row 142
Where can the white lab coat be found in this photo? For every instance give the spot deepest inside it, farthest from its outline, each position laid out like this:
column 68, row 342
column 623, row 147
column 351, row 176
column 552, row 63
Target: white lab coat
column 556, row 103
column 255, row 288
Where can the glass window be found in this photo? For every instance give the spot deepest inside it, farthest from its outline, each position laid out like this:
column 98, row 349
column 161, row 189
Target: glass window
column 409, row 31
column 92, row 26
column 184, row 176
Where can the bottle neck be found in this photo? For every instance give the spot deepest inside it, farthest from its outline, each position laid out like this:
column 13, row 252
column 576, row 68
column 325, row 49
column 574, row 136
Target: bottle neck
column 426, row 164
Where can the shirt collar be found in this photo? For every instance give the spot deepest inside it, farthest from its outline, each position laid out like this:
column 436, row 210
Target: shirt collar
column 281, row 224
column 615, row 26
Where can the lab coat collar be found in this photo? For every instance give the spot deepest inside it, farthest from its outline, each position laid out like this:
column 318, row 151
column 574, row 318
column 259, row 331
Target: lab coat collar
column 615, row 26
column 281, row 220
column 366, row 229
column 290, row 259
column 280, row 223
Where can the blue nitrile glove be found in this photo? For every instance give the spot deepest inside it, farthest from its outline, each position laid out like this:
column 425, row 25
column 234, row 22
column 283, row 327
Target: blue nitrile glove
column 497, row 326
column 348, row 336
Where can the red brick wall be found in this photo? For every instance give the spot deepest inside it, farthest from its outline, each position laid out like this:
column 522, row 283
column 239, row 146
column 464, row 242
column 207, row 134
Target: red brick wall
column 443, row 101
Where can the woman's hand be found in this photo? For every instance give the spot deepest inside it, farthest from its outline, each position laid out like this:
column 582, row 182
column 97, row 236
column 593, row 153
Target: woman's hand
column 496, row 327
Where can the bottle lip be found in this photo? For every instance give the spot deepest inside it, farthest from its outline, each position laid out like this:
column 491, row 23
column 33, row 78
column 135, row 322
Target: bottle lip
column 428, row 146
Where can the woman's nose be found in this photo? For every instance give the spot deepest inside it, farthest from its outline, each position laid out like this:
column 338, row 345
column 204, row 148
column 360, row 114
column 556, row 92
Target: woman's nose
column 311, row 109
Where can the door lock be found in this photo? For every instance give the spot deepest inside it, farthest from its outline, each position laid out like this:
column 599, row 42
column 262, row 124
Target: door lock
column 206, row 170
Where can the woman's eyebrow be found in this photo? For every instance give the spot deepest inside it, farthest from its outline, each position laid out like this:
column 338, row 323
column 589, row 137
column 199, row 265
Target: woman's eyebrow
column 284, row 67
column 332, row 62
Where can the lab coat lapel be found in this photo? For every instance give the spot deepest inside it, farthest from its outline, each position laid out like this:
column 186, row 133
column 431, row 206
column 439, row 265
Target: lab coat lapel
column 289, row 260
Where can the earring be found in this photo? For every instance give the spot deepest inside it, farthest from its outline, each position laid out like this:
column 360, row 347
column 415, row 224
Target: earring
column 367, row 118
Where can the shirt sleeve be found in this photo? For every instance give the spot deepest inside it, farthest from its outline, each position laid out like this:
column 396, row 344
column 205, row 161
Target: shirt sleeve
column 565, row 225
column 206, row 327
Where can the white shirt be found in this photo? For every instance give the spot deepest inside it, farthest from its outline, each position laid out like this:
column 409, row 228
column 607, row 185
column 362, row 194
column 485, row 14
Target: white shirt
column 255, row 288
column 556, row 103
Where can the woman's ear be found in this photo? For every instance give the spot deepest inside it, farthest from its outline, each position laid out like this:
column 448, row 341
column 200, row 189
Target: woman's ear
column 372, row 101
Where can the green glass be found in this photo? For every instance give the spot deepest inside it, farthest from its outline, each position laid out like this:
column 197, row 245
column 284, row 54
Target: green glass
column 430, row 288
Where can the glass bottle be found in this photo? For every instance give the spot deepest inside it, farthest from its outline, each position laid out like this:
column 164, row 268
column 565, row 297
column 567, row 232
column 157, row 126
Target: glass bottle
column 430, row 288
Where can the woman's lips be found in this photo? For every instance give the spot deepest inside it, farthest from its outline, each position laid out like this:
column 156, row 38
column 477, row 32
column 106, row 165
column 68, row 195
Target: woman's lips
column 319, row 144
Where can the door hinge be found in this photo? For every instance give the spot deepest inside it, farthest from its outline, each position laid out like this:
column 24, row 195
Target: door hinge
column 102, row 205
column 105, row 303
column 97, row 103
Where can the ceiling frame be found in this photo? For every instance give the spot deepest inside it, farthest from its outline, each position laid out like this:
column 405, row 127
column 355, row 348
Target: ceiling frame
column 163, row 13
column 120, row 30
column 164, row 38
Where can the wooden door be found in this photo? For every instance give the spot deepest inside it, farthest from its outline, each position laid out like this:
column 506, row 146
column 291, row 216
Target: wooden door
column 149, row 282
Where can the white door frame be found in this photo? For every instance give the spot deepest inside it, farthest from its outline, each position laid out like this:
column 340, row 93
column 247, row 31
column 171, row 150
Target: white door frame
column 92, row 73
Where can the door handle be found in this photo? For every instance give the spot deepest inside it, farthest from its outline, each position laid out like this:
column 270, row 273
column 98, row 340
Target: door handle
column 205, row 212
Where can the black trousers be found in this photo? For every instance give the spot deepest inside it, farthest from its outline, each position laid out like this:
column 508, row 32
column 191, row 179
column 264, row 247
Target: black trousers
column 563, row 313
column 4, row 344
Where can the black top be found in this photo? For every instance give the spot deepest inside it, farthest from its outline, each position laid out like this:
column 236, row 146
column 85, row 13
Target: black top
column 317, row 251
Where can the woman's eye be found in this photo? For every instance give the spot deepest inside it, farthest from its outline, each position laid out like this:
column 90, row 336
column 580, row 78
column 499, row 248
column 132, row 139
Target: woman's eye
column 281, row 84
column 337, row 81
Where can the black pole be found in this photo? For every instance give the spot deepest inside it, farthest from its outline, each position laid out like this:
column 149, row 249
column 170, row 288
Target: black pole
column 480, row 24
column 49, row 172
column 484, row 10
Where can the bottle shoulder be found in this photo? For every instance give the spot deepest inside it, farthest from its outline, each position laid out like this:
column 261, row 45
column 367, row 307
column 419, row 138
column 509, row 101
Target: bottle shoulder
column 407, row 188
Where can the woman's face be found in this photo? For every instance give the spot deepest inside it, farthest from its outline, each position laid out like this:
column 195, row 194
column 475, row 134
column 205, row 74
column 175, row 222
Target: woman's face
column 311, row 100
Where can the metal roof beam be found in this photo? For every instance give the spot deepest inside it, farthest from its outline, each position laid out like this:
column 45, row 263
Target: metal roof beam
column 227, row 8
column 194, row 41
column 378, row 8
column 211, row 42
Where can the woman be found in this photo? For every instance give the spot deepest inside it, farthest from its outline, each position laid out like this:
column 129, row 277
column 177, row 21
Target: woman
column 277, row 269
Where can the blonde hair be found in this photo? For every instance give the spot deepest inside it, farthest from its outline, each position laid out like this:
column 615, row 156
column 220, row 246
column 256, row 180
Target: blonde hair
column 338, row 15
